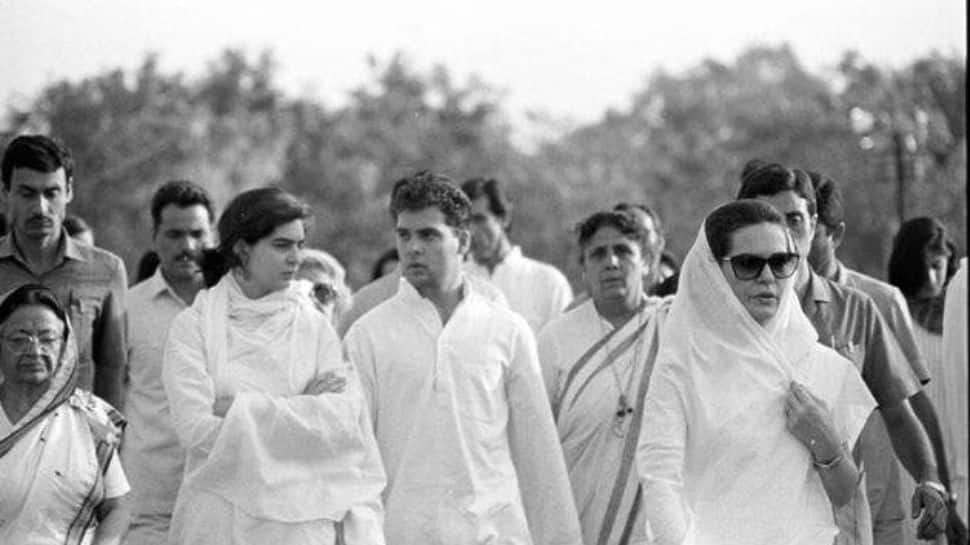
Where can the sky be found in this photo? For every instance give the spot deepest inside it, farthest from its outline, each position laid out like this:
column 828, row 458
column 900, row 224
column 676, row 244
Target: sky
column 569, row 59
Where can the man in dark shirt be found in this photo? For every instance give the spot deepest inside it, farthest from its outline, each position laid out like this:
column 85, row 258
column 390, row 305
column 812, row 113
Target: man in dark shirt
column 37, row 174
column 849, row 322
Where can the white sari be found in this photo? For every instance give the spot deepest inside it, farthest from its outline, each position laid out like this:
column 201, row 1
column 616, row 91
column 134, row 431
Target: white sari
column 717, row 463
column 281, row 467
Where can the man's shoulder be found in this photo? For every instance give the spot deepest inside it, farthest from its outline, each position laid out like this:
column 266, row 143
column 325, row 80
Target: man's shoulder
column 848, row 296
column 878, row 290
column 542, row 271
column 569, row 320
column 99, row 258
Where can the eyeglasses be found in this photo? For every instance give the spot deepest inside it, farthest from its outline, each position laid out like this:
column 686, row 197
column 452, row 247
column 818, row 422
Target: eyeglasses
column 21, row 343
column 749, row 266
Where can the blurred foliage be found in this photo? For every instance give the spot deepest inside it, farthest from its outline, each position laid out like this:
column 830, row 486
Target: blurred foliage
column 679, row 146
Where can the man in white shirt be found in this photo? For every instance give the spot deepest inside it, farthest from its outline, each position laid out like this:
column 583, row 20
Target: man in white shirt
column 456, row 395
column 181, row 226
column 536, row 290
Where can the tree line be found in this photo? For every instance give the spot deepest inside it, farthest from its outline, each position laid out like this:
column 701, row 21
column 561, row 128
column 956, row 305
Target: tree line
column 894, row 138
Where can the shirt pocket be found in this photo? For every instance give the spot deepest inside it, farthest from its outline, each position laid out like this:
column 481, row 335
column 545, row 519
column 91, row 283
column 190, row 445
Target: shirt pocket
column 853, row 352
column 478, row 381
column 84, row 310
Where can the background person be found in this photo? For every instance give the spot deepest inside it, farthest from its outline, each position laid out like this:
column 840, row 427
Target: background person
column 325, row 279
column 596, row 361
column 181, row 215
column 921, row 265
column 79, row 229
column 536, row 290
column 278, row 444
column 38, row 183
column 749, row 422
column 60, row 480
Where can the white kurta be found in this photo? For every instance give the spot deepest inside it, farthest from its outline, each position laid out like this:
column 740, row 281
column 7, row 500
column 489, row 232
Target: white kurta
column 151, row 453
column 281, row 467
column 953, row 391
column 536, row 290
column 463, row 424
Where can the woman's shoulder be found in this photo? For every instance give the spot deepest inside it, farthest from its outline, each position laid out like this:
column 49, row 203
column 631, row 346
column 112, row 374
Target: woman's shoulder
column 105, row 421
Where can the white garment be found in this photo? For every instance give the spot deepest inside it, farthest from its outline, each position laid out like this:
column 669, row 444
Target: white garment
column 463, row 425
column 953, row 412
column 281, row 467
column 46, row 475
column 151, row 452
column 717, row 463
column 536, row 290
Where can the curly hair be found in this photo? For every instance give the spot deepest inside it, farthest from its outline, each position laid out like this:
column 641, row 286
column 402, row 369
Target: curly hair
column 426, row 189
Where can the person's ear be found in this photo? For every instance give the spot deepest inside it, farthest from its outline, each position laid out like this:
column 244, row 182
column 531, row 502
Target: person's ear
column 241, row 251
column 837, row 234
column 69, row 190
column 464, row 241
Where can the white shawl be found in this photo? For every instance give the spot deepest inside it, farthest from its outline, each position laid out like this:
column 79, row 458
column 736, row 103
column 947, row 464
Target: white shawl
column 277, row 454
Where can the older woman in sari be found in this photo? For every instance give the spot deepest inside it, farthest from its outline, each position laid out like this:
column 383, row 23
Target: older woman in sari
column 749, row 422
column 279, row 447
column 60, row 479
column 596, row 361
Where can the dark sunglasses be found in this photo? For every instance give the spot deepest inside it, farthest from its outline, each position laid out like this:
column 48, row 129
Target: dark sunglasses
column 749, row 266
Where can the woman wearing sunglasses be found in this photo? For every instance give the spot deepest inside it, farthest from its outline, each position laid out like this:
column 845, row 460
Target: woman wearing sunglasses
column 749, row 422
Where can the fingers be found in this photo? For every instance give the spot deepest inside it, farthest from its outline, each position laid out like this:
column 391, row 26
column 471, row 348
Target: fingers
column 916, row 503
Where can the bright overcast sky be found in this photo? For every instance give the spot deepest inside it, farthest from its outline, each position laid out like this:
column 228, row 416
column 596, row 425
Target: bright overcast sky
column 568, row 59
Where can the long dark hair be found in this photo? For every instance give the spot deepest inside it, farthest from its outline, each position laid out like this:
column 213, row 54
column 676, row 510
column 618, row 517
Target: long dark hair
column 251, row 216
column 907, row 265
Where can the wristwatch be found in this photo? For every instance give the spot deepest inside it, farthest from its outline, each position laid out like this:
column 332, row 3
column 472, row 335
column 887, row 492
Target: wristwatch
column 939, row 488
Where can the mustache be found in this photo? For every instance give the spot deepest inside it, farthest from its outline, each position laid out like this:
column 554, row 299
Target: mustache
column 39, row 217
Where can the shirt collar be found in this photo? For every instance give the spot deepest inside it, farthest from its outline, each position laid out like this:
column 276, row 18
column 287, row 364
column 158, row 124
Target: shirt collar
column 67, row 248
column 841, row 273
column 818, row 290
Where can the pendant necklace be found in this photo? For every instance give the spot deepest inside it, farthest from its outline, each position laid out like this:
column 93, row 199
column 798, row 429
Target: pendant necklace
column 623, row 406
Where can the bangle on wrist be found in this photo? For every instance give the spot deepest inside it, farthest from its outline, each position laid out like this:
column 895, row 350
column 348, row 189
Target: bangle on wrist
column 829, row 464
column 936, row 486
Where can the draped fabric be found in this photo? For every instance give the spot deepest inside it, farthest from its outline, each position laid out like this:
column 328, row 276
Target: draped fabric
column 717, row 464
column 599, row 431
column 57, row 462
column 280, row 466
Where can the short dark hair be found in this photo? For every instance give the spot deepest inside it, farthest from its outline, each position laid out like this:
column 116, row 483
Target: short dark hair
column 253, row 215
column 36, row 152
column 907, row 269
column 147, row 264
column 181, row 193
column 426, row 189
column 628, row 206
column 761, row 179
column 728, row 218
column 622, row 222
column 75, row 224
column 828, row 200
column 490, row 188
column 32, row 294
column 378, row 269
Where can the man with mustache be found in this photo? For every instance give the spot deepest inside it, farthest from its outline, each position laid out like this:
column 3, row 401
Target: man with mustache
column 181, row 230
column 536, row 290
column 38, row 183
column 849, row 322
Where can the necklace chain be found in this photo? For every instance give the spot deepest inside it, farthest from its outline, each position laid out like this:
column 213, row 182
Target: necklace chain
column 623, row 406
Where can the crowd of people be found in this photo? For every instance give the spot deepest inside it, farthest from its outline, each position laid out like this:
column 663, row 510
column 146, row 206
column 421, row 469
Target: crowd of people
column 239, row 393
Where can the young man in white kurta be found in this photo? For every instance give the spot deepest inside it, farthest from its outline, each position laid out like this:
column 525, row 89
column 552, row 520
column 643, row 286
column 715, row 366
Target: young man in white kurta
column 456, row 396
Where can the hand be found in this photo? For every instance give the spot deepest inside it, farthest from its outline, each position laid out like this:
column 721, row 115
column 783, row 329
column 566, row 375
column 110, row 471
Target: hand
column 956, row 529
column 808, row 419
column 327, row 383
column 932, row 503
column 221, row 405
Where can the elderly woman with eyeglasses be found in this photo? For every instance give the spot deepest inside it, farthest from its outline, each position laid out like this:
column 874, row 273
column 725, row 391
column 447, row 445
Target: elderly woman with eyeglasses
column 60, row 478
column 748, row 421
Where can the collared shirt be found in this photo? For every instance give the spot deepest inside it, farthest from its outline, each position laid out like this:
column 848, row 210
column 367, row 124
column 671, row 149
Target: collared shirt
column 536, row 290
column 463, row 424
column 91, row 284
column 892, row 306
column 151, row 452
column 848, row 321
